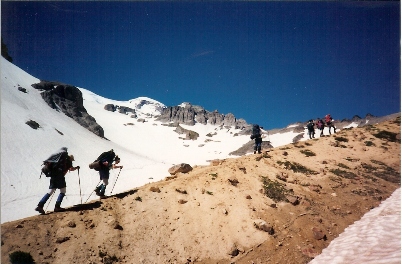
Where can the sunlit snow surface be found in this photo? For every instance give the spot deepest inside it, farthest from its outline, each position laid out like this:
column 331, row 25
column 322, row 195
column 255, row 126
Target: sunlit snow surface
column 375, row 238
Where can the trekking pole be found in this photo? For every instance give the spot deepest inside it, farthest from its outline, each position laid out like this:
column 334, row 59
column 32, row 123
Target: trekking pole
column 49, row 201
column 92, row 192
column 79, row 184
column 115, row 181
column 40, row 176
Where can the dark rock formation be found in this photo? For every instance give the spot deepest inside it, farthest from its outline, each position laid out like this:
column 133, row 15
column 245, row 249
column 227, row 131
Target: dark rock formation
column 190, row 114
column 110, row 107
column 249, row 148
column 189, row 134
column 68, row 99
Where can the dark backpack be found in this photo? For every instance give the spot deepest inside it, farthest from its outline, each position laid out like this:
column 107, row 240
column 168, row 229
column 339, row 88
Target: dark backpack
column 310, row 126
column 105, row 156
column 51, row 169
column 256, row 132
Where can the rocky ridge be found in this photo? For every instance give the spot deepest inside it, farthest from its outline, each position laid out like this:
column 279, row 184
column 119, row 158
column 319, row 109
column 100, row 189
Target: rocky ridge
column 68, row 99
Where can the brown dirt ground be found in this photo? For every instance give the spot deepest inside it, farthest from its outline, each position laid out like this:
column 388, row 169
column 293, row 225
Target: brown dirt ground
column 200, row 217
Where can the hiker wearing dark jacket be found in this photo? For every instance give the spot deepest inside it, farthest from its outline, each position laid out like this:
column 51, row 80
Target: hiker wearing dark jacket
column 257, row 136
column 310, row 128
column 60, row 163
column 106, row 163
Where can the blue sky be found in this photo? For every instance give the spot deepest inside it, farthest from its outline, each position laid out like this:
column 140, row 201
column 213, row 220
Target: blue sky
column 271, row 63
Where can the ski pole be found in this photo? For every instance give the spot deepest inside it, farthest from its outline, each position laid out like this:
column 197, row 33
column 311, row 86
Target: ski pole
column 93, row 191
column 79, row 183
column 115, row 181
column 49, row 201
column 40, row 176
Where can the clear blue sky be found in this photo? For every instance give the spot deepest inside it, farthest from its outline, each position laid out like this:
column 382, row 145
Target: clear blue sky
column 271, row 63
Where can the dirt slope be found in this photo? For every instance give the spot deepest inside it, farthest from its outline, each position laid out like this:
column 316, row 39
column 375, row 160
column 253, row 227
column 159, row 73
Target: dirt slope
column 221, row 213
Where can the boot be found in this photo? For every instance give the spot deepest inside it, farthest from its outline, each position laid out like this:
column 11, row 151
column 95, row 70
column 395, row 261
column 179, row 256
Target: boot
column 39, row 208
column 57, row 207
column 97, row 190
column 41, row 203
column 102, row 190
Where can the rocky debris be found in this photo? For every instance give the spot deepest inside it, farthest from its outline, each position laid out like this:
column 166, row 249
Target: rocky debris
column 215, row 162
column 264, row 226
column 234, row 251
column 181, row 201
column 71, row 224
column 294, row 200
column 318, row 234
column 68, row 99
column 183, row 167
column 155, row 189
column 282, row 176
column 62, row 239
column 32, row 124
column 22, row 89
column 309, row 251
column 234, row 181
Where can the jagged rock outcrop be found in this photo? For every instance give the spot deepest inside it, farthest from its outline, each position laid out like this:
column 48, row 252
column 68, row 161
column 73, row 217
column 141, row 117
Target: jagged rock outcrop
column 121, row 109
column 188, row 114
column 189, row 134
column 68, row 99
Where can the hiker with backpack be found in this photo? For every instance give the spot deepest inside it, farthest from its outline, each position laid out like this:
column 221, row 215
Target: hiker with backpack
column 256, row 135
column 103, row 164
column 329, row 122
column 56, row 167
column 310, row 128
column 320, row 125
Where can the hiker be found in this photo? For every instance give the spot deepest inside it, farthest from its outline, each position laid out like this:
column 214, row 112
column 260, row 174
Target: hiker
column 310, row 128
column 105, row 161
column 57, row 166
column 256, row 135
column 328, row 121
column 320, row 125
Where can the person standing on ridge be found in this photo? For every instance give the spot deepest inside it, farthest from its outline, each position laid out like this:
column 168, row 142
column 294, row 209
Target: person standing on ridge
column 105, row 161
column 320, row 125
column 329, row 122
column 310, row 128
column 257, row 136
column 56, row 167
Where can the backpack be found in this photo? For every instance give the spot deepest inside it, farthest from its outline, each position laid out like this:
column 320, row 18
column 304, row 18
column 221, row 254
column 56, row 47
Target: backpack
column 256, row 132
column 55, row 167
column 320, row 124
column 105, row 156
column 310, row 126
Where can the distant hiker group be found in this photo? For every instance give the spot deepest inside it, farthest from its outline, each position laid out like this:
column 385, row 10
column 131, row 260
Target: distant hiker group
column 319, row 123
column 59, row 163
column 257, row 131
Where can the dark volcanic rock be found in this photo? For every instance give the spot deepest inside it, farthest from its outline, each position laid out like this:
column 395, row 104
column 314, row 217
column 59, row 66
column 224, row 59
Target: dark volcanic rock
column 190, row 114
column 68, row 99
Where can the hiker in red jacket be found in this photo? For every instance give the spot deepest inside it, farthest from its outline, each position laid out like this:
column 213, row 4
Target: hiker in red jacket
column 320, row 125
column 329, row 122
